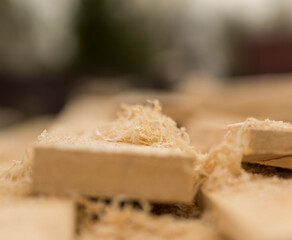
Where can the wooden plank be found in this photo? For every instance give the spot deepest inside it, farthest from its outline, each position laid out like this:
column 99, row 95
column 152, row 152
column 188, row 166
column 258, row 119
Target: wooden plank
column 110, row 169
column 257, row 210
column 270, row 141
column 269, row 147
column 266, row 96
column 37, row 219
column 71, row 161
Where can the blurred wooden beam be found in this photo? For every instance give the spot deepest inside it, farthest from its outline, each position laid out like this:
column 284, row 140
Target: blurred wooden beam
column 255, row 210
column 269, row 147
column 36, row 219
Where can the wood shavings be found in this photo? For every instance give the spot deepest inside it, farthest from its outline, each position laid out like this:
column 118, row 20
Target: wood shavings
column 228, row 154
column 222, row 165
column 258, row 124
column 128, row 223
column 145, row 125
column 16, row 180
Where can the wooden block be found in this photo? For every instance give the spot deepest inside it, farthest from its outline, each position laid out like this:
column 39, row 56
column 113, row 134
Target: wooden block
column 79, row 163
column 269, row 147
column 259, row 210
column 270, row 141
column 109, row 169
column 37, row 219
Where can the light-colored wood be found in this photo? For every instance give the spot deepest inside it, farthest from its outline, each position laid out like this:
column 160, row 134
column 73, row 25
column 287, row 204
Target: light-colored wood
column 141, row 225
column 269, row 147
column 266, row 96
column 256, row 210
column 37, row 219
column 83, row 114
column 180, row 107
column 78, row 163
column 14, row 140
column 208, row 128
column 270, row 141
column 110, row 169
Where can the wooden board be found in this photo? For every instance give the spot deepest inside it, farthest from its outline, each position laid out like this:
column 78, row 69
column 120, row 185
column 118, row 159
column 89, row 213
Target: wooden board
column 258, row 210
column 110, row 169
column 37, row 219
column 78, row 163
column 269, row 147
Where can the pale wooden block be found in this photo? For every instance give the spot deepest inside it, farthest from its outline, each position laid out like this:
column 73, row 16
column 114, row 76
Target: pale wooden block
column 37, row 219
column 258, row 210
column 110, row 169
column 270, row 141
column 97, row 168
column 269, row 147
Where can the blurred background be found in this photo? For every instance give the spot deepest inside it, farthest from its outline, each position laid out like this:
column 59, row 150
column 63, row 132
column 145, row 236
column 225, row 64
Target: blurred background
column 217, row 52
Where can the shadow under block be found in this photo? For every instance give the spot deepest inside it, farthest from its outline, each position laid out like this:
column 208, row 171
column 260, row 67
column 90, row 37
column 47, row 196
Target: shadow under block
column 111, row 169
column 269, row 147
column 256, row 211
column 37, row 219
column 143, row 226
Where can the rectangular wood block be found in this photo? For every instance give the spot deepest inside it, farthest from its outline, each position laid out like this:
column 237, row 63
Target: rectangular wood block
column 37, row 219
column 111, row 169
column 270, row 141
column 257, row 211
column 269, row 147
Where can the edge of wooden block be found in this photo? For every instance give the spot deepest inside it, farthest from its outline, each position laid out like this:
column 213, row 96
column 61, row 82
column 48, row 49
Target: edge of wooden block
column 143, row 172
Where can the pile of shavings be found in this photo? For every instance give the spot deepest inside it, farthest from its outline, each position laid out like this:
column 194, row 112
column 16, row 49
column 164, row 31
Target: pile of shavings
column 129, row 223
column 145, row 125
